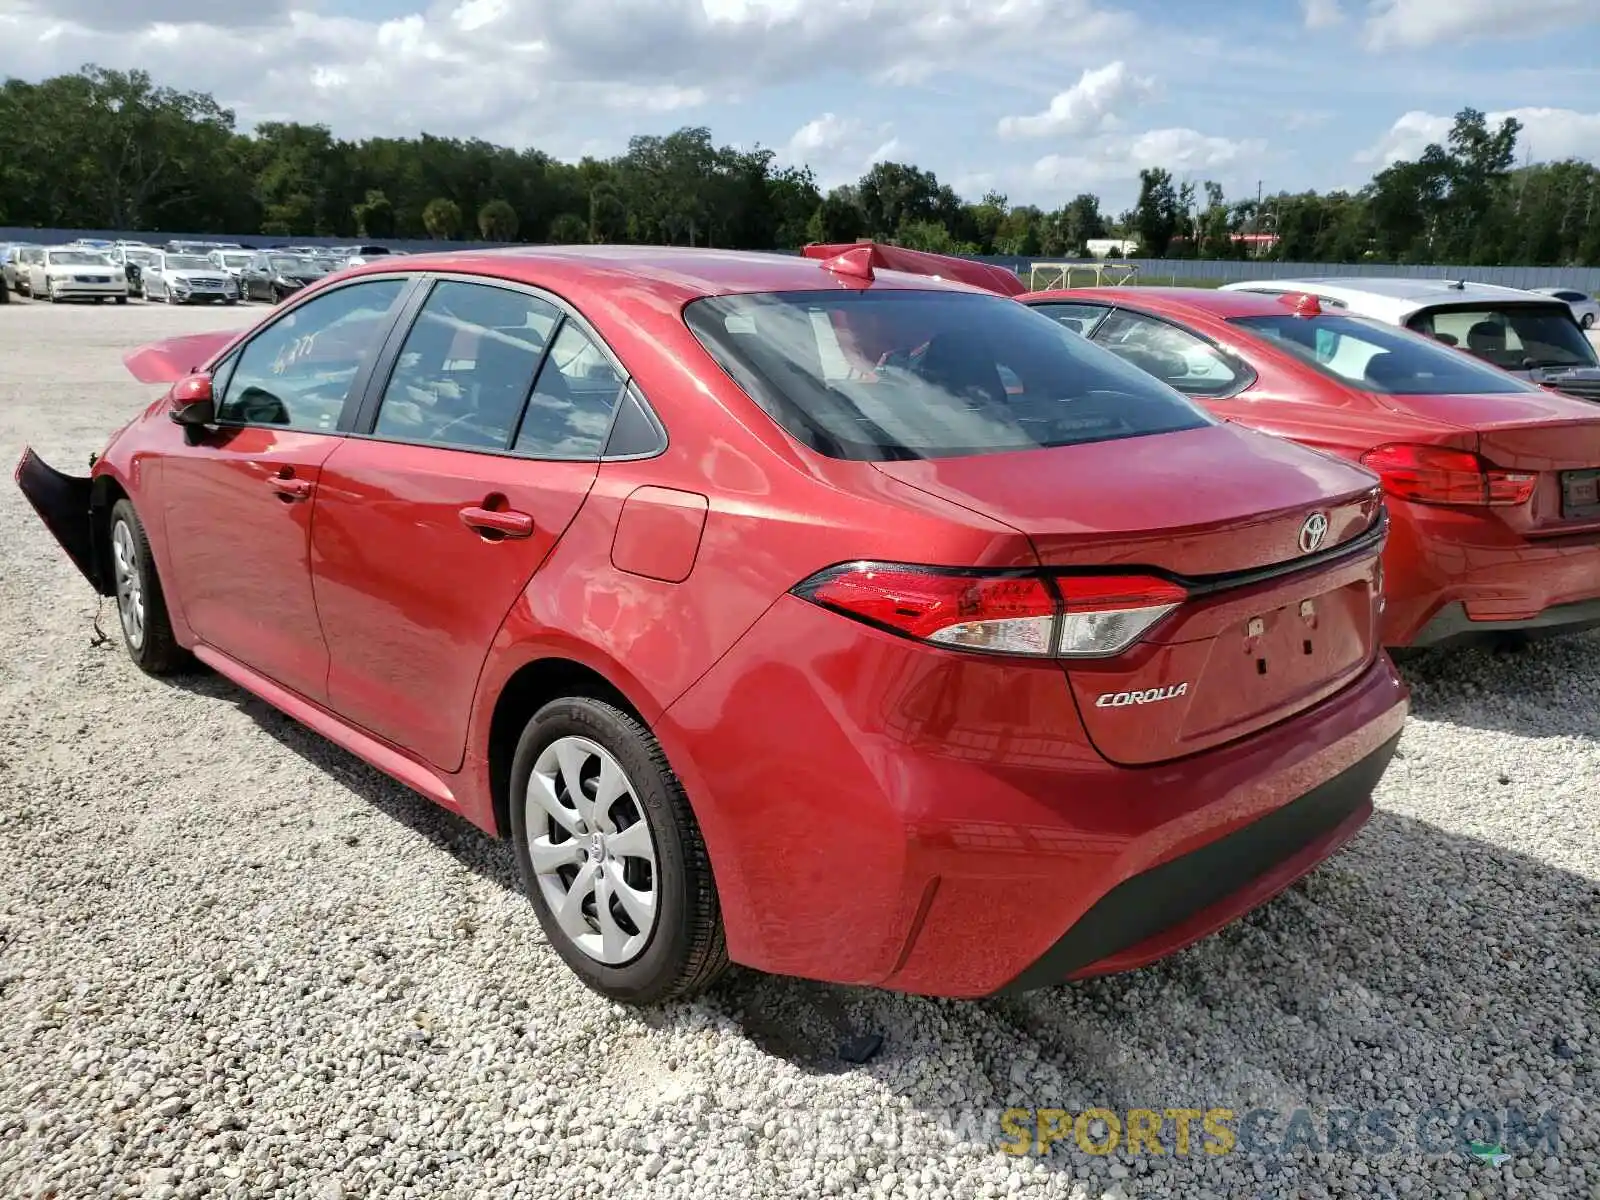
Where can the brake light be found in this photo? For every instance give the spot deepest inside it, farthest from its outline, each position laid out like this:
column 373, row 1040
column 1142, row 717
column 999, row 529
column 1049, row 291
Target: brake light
column 1078, row 616
column 1439, row 475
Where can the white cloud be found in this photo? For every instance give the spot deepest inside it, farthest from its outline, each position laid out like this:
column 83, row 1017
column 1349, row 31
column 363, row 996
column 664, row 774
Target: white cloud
column 1092, row 105
column 1547, row 134
column 1409, row 24
column 1322, row 14
column 841, row 149
column 532, row 70
column 1181, row 151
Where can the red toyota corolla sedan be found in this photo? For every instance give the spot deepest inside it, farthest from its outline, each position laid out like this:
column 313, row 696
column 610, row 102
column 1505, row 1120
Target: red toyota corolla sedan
column 1491, row 481
column 839, row 622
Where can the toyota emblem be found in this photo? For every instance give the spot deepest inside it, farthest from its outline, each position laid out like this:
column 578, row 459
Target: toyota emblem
column 1313, row 531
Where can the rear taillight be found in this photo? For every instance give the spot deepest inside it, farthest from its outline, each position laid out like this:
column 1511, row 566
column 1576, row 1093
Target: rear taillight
column 1439, row 475
column 1074, row 616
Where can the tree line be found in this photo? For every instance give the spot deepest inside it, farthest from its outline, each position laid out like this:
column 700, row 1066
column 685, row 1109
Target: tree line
column 106, row 149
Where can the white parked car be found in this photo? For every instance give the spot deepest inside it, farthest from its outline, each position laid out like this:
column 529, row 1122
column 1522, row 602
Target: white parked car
column 232, row 261
column 189, row 279
column 1585, row 308
column 1532, row 336
column 75, row 273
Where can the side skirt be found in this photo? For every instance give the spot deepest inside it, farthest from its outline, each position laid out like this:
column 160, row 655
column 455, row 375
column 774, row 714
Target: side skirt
column 368, row 749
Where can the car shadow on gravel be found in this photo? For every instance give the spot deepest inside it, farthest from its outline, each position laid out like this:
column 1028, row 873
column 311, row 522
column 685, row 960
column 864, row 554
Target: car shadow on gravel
column 1547, row 688
column 1416, row 969
column 484, row 855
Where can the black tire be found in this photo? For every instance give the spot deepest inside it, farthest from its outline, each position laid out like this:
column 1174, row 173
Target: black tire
column 122, row 299
column 686, row 949
column 1588, row 320
column 155, row 651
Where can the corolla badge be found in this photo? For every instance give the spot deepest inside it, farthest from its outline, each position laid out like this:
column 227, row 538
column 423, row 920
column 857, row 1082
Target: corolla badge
column 1149, row 696
column 1312, row 531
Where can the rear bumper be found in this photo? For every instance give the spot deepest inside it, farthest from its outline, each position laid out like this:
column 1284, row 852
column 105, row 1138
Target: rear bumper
column 879, row 813
column 1456, row 577
column 1184, row 899
column 1451, row 626
column 65, row 505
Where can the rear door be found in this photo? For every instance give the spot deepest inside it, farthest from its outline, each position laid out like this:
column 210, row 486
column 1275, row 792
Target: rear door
column 474, row 455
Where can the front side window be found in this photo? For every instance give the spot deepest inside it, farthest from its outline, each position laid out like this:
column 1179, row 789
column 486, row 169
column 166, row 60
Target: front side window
column 466, row 367
column 1174, row 356
column 298, row 372
column 1380, row 358
column 891, row 374
column 1516, row 337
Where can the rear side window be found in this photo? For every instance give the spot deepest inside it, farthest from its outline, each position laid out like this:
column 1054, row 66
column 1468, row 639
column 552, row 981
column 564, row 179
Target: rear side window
column 569, row 413
column 1516, row 337
column 1379, row 358
column 882, row 375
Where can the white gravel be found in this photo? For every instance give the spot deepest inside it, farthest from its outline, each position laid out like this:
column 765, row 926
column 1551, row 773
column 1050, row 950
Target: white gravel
column 236, row 962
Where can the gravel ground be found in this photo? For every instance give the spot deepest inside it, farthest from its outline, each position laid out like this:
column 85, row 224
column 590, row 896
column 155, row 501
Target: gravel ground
column 236, row 962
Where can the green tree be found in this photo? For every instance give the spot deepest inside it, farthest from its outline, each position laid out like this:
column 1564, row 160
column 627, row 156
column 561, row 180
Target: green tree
column 442, row 219
column 838, row 218
column 497, row 221
column 374, row 216
column 1158, row 214
column 569, row 229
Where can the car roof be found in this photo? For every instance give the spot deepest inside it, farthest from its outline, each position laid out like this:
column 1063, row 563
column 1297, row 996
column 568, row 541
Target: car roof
column 1394, row 297
column 1175, row 301
column 679, row 273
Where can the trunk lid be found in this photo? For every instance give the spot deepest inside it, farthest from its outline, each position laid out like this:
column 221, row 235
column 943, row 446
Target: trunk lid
column 170, row 360
column 1548, row 434
column 1269, row 628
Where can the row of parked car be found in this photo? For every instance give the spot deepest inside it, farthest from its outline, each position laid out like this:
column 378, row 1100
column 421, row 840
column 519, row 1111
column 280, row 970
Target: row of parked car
column 176, row 273
column 832, row 616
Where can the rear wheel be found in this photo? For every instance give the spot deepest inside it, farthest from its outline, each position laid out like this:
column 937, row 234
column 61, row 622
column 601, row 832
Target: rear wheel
column 612, row 857
column 1588, row 320
column 141, row 605
column 122, row 299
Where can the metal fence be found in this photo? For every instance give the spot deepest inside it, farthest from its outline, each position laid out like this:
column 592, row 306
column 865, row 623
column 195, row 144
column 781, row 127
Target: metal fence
column 1151, row 270
column 1154, row 270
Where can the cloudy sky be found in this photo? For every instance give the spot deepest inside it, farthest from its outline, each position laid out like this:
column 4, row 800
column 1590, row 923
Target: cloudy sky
column 1037, row 98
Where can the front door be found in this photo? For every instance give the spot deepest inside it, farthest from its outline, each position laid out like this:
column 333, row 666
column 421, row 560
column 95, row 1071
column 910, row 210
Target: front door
column 238, row 504
column 428, row 529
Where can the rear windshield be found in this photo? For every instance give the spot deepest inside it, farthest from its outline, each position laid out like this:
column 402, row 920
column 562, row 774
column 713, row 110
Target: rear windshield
column 1517, row 337
column 881, row 375
column 1380, row 358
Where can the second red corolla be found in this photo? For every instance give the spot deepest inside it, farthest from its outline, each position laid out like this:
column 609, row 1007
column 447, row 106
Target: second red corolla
column 840, row 622
column 1491, row 481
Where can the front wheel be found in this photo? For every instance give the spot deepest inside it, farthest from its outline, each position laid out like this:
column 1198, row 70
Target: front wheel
column 611, row 855
column 122, row 299
column 50, row 293
column 141, row 604
column 1588, row 320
